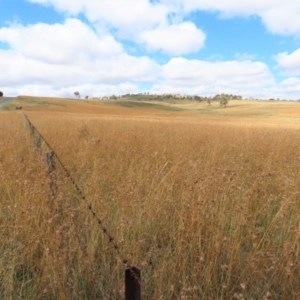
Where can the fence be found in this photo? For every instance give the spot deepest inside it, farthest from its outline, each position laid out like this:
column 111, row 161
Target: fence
column 133, row 284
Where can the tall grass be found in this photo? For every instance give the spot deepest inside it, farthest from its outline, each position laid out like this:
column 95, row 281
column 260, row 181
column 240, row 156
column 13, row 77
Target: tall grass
column 207, row 211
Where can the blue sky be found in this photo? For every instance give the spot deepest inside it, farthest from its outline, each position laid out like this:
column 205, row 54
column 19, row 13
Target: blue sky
column 56, row 47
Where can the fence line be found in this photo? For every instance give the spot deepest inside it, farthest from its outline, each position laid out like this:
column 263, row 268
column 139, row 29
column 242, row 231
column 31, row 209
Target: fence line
column 53, row 177
column 133, row 284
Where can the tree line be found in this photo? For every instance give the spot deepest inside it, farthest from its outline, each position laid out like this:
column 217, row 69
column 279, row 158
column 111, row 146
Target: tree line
column 223, row 98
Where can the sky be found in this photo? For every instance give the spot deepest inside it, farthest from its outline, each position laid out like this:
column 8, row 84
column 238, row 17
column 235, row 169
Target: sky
column 191, row 47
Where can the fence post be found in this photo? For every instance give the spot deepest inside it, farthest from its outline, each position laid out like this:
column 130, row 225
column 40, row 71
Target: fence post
column 38, row 141
column 52, row 175
column 50, row 161
column 26, row 120
column 132, row 285
column 32, row 130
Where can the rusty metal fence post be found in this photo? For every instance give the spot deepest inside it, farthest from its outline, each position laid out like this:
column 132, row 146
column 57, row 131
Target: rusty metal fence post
column 133, row 284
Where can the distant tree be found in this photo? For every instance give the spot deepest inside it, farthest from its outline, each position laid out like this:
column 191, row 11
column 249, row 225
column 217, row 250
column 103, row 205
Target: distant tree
column 223, row 100
column 209, row 101
column 1, row 94
column 77, row 94
column 217, row 97
column 86, row 97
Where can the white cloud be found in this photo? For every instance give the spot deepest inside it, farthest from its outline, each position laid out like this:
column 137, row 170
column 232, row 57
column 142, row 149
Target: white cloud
column 283, row 19
column 289, row 62
column 126, row 16
column 218, row 73
column 122, row 74
column 203, row 77
column 72, row 7
column 286, row 89
column 57, row 59
column 145, row 21
column 91, row 90
column 229, row 7
column 279, row 16
column 64, row 55
column 20, row 69
column 114, row 70
column 140, row 21
column 247, row 78
column 123, row 67
column 56, row 43
column 175, row 39
column 291, row 82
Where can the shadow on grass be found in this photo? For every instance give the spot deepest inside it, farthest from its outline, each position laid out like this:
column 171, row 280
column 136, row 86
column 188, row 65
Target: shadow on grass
column 144, row 105
column 28, row 104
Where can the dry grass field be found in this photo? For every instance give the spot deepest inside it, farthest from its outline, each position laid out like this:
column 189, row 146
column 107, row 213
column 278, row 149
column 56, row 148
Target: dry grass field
column 204, row 200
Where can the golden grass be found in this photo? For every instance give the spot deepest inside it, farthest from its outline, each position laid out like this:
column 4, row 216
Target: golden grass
column 207, row 205
column 239, row 112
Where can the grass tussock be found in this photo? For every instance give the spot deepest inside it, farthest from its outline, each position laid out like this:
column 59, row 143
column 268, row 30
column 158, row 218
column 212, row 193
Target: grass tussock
column 206, row 211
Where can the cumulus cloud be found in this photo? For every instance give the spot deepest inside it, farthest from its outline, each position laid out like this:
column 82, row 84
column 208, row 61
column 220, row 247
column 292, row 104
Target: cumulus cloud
column 131, row 17
column 57, row 59
column 127, row 16
column 69, row 54
column 219, row 73
column 281, row 17
column 291, row 82
column 140, row 21
column 289, row 88
column 114, row 70
column 56, row 43
column 176, row 39
column 181, row 75
column 72, row 7
column 290, row 63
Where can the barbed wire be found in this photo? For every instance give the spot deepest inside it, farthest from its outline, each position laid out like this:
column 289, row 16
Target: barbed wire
column 100, row 223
